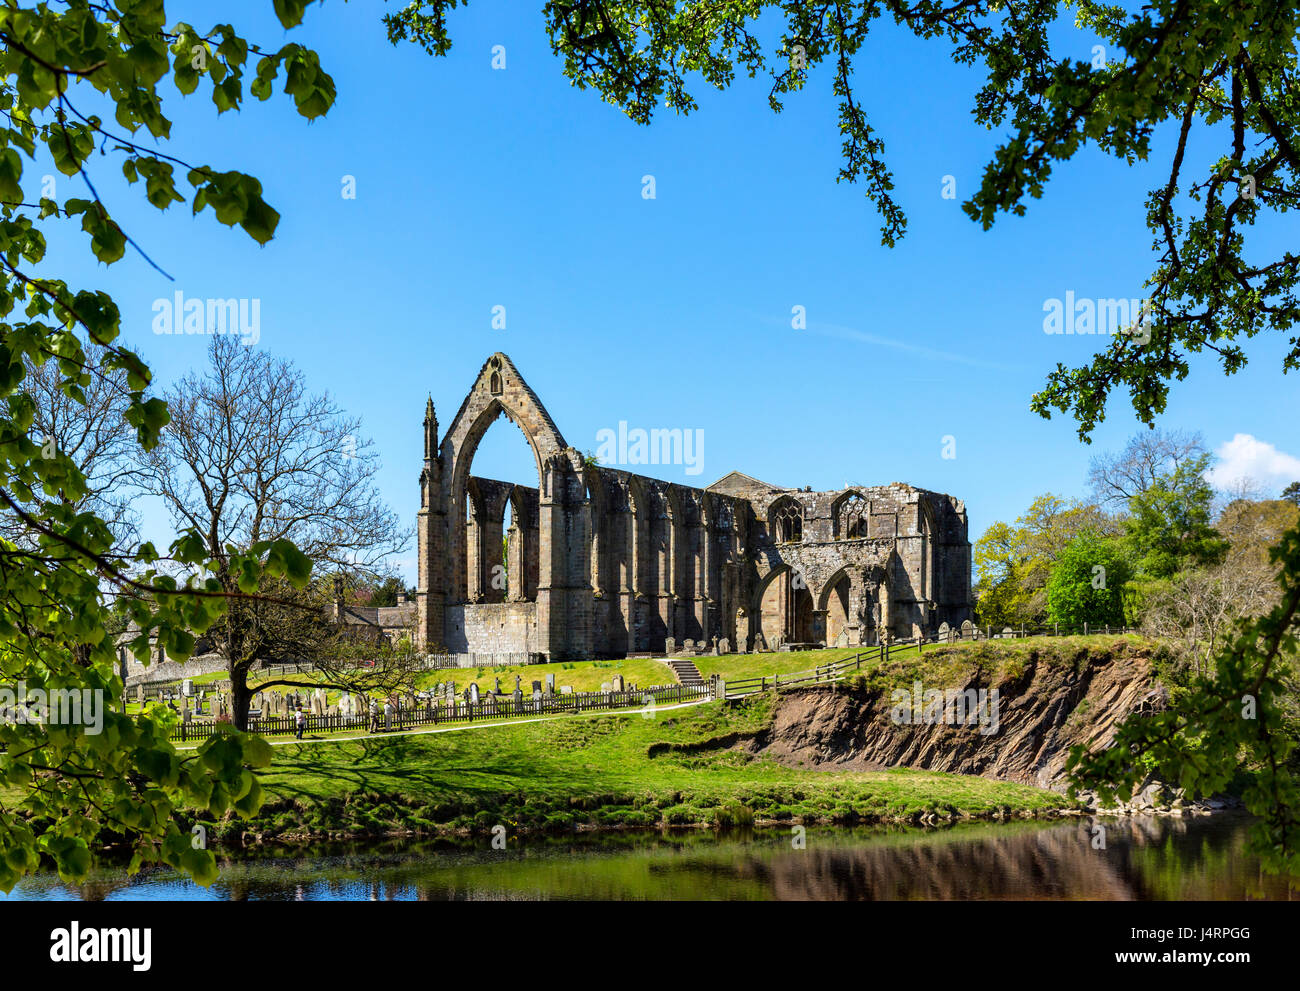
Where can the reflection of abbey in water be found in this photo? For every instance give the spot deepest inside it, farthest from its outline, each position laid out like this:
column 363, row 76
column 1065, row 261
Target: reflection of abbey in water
column 599, row 562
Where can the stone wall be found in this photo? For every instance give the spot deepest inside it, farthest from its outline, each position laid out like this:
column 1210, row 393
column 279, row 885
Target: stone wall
column 133, row 672
column 492, row 628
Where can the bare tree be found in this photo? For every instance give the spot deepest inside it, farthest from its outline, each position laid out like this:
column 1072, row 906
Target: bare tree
column 251, row 456
column 1240, row 491
column 94, row 434
column 1197, row 607
column 1116, row 478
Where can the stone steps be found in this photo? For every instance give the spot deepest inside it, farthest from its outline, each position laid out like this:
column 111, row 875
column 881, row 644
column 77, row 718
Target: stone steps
column 685, row 671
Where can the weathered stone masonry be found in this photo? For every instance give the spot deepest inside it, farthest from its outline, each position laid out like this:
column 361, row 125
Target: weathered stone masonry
column 600, row 562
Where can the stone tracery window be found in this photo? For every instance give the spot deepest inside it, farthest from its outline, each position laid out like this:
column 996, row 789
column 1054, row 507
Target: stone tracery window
column 786, row 521
column 851, row 517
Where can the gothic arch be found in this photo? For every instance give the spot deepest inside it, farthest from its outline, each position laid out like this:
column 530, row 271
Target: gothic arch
column 926, row 528
column 824, row 594
column 522, row 552
column 638, row 532
column 506, row 395
column 783, row 607
column 850, row 516
column 597, row 509
column 785, row 520
column 471, row 522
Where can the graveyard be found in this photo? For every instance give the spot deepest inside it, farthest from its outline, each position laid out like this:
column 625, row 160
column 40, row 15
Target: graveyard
column 203, row 699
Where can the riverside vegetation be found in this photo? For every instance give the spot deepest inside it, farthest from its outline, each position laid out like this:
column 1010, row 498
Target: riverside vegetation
column 709, row 764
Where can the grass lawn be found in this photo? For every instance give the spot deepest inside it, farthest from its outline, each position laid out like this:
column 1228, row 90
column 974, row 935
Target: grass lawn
column 679, row 767
column 584, row 676
column 734, row 666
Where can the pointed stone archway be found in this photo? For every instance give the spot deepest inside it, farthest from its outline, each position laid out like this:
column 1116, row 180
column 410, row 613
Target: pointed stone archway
column 562, row 626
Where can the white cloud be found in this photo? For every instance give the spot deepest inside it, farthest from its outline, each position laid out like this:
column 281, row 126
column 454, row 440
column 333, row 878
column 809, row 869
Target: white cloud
column 1246, row 457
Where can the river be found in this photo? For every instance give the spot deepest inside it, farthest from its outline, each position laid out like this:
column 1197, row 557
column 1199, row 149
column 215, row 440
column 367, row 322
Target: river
column 1150, row 859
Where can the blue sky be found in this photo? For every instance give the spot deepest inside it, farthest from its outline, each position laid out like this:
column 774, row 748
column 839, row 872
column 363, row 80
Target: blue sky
column 478, row 188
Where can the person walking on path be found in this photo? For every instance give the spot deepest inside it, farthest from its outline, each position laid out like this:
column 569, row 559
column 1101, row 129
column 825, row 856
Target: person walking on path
column 374, row 716
column 300, row 720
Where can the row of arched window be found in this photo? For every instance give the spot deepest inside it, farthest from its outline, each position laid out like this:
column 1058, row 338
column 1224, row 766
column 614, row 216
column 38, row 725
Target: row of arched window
column 785, row 520
column 851, row 515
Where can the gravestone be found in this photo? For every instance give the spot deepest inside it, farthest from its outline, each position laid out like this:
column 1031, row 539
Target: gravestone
column 689, row 646
column 724, row 646
column 537, row 689
column 518, row 695
column 617, row 683
column 496, row 690
column 713, row 646
column 1007, row 632
column 944, row 632
column 566, row 689
column 518, row 690
column 967, row 628
column 139, row 694
column 473, row 692
column 550, row 683
column 670, row 646
column 187, row 687
column 605, row 687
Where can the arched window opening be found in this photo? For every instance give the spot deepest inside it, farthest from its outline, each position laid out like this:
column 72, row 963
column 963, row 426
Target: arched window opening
column 501, row 519
column 851, row 519
column 786, row 521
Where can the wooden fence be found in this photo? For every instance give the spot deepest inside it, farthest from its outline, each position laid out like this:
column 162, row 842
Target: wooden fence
column 834, row 670
column 487, row 708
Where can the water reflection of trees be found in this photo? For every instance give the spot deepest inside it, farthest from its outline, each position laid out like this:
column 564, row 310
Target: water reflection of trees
column 1144, row 859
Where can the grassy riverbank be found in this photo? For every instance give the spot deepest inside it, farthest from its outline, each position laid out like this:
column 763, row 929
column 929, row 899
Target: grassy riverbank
column 681, row 767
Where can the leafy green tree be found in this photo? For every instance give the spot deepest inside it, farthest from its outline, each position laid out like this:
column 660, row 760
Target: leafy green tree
column 387, row 592
column 1168, row 524
column 1292, row 493
column 80, row 782
column 1015, row 562
column 1087, row 583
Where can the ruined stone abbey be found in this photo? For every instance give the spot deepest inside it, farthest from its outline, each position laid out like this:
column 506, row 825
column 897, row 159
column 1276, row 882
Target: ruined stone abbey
column 598, row 562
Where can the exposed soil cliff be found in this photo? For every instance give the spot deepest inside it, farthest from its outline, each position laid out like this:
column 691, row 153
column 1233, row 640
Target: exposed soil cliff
column 1049, row 698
